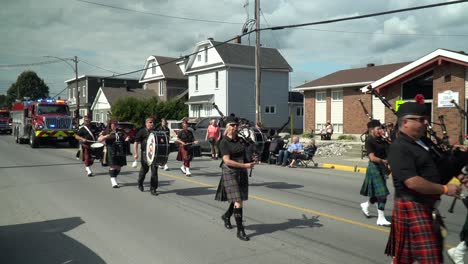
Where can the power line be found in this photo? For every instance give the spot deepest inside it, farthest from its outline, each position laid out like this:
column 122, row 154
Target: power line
column 306, row 24
column 27, row 64
column 383, row 33
column 156, row 14
column 274, row 37
column 81, row 60
column 364, row 16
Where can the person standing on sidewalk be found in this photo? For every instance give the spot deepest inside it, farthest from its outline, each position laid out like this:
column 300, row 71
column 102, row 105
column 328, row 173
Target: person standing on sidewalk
column 375, row 182
column 416, row 233
column 163, row 128
column 234, row 184
column 185, row 139
column 141, row 139
column 213, row 135
column 85, row 136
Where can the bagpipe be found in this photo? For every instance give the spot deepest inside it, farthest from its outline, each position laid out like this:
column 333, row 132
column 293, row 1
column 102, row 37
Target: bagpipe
column 250, row 137
column 364, row 135
column 451, row 160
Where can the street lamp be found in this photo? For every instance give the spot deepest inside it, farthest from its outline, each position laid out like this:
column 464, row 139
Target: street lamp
column 75, row 69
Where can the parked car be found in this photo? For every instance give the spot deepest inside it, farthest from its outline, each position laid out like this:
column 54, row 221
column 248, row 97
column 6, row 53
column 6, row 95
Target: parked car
column 128, row 129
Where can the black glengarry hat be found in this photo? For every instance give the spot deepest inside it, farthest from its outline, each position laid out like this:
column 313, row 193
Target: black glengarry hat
column 373, row 123
column 231, row 120
column 410, row 108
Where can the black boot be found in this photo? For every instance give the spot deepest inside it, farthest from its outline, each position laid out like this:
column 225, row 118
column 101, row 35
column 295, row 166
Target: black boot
column 227, row 216
column 240, row 227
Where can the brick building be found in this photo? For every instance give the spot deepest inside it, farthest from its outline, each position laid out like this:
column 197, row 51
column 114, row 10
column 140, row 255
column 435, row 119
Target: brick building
column 440, row 76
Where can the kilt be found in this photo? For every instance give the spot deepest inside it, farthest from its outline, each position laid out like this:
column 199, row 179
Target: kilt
column 374, row 184
column 116, row 156
column 413, row 237
column 184, row 154
column 233, row 185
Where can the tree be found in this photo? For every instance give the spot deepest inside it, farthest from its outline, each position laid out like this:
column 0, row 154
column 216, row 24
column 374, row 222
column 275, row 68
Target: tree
column 136, row 110
column 3, row 101
column 29, row 85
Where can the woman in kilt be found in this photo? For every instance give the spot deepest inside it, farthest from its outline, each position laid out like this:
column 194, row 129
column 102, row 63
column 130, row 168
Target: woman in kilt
column 115, row 150
column 233, row 186
column 374, row 185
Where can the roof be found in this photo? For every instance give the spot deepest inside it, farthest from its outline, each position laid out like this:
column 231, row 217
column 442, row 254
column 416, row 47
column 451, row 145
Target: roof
column 170, row 70
column 113, row 94
column 352, row 77
column 101, row 77
column 419, row 66
column 238, row 54
column 295, row 97
column 207, row 98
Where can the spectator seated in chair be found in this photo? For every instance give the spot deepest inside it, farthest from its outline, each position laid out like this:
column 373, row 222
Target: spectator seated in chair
column 307, row 155
column 293, row 150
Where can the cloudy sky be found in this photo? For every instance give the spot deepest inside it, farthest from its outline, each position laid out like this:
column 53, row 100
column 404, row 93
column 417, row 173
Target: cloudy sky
column 119, row 40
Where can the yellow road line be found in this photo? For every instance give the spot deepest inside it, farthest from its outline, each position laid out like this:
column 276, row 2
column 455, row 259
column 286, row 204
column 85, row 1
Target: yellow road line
column 344, row 167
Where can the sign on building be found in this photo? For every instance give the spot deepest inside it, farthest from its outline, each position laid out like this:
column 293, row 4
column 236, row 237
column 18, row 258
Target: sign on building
column 445, row 98
column 398, row 103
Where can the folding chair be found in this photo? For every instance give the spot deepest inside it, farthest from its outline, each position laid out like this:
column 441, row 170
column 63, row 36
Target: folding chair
column 307, row 157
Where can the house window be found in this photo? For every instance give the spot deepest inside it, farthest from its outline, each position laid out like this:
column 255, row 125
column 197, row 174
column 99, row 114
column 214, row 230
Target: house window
column 299, row 111
column 321, row 96
column 161, row 90
column 337, row 127
column 207, row 109
column 199, row 57
column 337, row 95
column 83, row 112
column 83, row 90
column 196, row 82
column 217, row 80
column 153, row 68
column 206, row 54
column 270, row 109
column 96, row 117
column 196, row 109
column 423, row 84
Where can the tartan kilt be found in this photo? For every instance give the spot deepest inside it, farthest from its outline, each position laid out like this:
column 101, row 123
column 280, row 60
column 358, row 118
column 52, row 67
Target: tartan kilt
column 233, row 185
column 413, row 237
column 113, row 159
column 464, row 232
column 375, row 184
column 183, row 154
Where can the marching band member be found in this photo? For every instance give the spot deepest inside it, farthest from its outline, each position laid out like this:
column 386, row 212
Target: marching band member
column 115, row 146
column 85, row 136
column 163, row 128
column 375, row 185
column 233, row 185
column 141, row 139
column 185, row 139
column 415, row 234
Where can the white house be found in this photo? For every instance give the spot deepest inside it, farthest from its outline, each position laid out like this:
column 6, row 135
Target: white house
column 107, row 96
column 224, row 73
column 164, row 75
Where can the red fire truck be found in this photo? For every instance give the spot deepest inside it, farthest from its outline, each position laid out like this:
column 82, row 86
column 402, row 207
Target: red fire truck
column 43, row 120
column 5, row 121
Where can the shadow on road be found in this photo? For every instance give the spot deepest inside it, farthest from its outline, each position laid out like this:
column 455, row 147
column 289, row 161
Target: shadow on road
column 192, row 191
column 277, row 185
column 40, row 165
column 261, row 229
column 44, row 242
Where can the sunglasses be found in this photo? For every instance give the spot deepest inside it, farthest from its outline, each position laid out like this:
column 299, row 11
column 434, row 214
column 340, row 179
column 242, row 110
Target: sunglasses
column 420, row 119
column 234, row 125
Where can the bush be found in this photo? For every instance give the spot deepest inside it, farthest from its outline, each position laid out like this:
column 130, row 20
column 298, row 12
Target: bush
column 307, row 135
column 346, row 137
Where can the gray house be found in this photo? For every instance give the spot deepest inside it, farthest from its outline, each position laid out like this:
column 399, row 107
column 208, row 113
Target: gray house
column 225, row 74
column 296, row 111
column 165, row 76
column 88, row 86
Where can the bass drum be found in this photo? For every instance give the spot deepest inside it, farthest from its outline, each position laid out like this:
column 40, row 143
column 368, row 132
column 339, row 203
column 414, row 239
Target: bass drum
column 256, row 136
column 157, row 148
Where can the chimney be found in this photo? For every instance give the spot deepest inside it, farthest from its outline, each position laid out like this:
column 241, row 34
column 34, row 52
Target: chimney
column 370, row 65
column 237, row 40
column 211, row 39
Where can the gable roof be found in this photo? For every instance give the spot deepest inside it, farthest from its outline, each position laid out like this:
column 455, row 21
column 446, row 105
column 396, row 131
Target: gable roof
column 243, row 55
column 169, row 70
column 113, row 94
column 419, row 66
column 351, row 77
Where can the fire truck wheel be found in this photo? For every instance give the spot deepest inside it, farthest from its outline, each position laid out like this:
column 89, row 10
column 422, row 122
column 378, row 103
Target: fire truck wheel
column 32, row 139
column 73, row 143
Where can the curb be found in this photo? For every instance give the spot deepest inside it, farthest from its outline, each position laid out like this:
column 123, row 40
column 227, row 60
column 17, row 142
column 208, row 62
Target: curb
column 343, row 167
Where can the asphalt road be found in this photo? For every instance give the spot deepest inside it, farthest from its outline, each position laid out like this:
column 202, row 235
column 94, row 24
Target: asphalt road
column 52, row 213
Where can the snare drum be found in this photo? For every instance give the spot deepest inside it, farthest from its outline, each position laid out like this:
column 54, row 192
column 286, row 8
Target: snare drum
column 157, row 148
column 97, row 150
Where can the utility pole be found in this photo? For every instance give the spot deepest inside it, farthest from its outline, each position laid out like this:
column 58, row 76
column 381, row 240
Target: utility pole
column 258, row 110
column 75, row 60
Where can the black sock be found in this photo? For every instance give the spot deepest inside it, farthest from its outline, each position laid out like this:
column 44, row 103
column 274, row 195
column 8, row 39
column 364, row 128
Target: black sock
column 230, row 210
column 238, row 216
